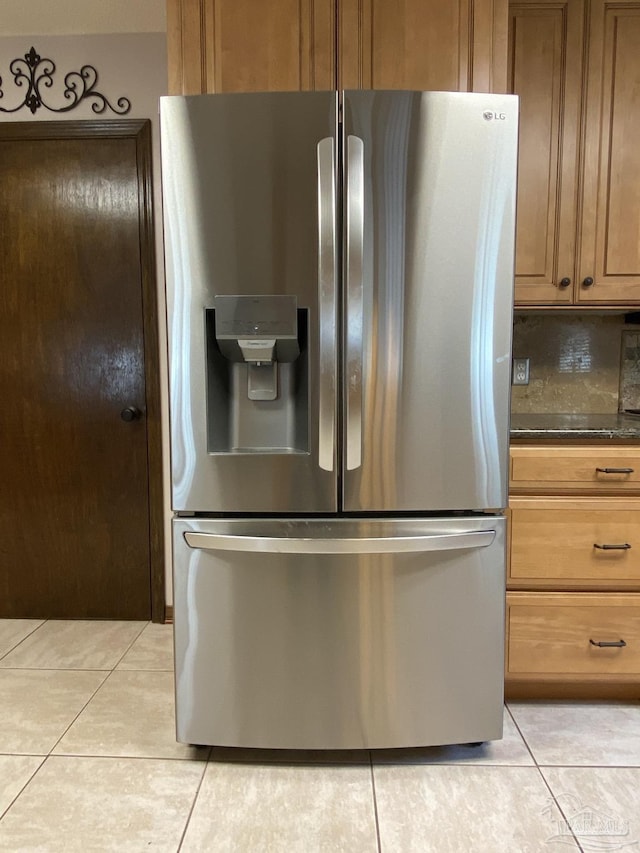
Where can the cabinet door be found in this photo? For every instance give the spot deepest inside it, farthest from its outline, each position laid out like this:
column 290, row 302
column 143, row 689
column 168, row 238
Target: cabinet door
column 545, row 70
column 437, row 45
column 249, row 46
column 610, row 245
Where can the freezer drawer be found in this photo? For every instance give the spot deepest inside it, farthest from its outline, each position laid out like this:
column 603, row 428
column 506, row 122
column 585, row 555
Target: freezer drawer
column 339, row 634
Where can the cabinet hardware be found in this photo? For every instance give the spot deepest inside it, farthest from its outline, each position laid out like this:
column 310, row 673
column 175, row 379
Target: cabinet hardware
column 587, row 282
column 615, row 470
column 622, row 547
column 618, row 644
column 565, row 282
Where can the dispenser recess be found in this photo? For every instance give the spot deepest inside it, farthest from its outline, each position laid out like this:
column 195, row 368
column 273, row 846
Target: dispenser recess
column 257, row 383
column 260, row 331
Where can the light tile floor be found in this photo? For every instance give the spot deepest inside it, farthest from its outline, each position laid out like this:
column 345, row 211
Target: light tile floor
column 89, row 762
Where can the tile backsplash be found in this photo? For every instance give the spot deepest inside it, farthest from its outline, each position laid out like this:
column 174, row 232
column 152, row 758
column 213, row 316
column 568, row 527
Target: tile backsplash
column 630, row 370
column 579, row 363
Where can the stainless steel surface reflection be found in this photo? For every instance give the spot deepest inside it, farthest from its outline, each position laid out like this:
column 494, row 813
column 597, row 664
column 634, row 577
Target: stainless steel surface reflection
column 339, row 651
column 439, row 214
column 240, row 176
column 379, row 387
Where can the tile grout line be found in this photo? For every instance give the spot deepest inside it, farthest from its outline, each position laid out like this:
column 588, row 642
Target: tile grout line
column 553, row 797
column 129, row 647
column 26, row 637
column 109, row 757
column 54, row 669
column 44, row 758
column 106, row 668
column 109, row 673
column 99, row 687
column 519, row 730
column 541, row 774
column 193, row 804
column 375, row 803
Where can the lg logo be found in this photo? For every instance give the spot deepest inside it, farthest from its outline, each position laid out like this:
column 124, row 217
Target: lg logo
column 489, row 115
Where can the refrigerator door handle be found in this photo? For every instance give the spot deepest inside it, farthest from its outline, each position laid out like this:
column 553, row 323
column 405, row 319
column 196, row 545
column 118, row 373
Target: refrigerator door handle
column 327, row 288
column 364, row 545
column 354, row 287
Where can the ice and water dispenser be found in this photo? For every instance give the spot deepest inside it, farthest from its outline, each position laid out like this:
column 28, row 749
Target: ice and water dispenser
column 257, row 375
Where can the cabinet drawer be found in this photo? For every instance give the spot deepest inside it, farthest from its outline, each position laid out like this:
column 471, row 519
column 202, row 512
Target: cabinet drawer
column 574, row 469
column 557, row 634
column 581, row 543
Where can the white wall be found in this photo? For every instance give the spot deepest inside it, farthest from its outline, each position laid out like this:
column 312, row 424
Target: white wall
column 76, row 17
column 125, row 41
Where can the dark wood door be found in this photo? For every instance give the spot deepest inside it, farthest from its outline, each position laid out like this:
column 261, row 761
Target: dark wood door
column 75, row 520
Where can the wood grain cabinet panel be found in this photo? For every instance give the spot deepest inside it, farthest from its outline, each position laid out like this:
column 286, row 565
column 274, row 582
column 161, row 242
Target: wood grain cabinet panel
column 250, row 45
column 278, row 45
column 573, row 572
column 610, row 236
column 573, row 635
column 599, row 469
column 438, row 45
column 545, row 70
column 578, row 229
column 581, row 544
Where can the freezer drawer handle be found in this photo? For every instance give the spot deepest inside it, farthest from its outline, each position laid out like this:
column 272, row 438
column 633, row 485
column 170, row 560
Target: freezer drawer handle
column 617, row 644
column 614, row 470
column 327, row 274
column 624, row 546
column 365, row 545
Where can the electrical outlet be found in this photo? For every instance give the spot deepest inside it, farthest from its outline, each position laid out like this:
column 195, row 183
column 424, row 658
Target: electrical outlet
column 520, row 375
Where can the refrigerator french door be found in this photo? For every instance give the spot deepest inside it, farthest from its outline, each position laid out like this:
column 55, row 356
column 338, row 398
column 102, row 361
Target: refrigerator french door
column 339, row 290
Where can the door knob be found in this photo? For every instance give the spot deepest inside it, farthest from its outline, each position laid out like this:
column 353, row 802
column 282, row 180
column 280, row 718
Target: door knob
column 587, row 282
column 131, row 413
column 565, row 282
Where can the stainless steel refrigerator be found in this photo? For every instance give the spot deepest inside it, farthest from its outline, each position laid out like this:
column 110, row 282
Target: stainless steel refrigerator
column 339, row 286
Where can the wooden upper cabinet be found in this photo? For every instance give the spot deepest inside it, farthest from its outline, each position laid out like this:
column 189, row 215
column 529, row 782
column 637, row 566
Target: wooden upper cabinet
column 250, row 45
column 545, row 70
column 279, row 45
column 610, row 236
column 578, row 221
column 438, row 45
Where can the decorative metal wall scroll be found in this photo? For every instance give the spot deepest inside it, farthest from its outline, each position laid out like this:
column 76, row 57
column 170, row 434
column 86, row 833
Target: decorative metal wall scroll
column 33, row 72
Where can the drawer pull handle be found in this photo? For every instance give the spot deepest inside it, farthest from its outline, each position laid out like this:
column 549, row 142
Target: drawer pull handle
column 624, row 546
column 618, row 644
column 615, row 470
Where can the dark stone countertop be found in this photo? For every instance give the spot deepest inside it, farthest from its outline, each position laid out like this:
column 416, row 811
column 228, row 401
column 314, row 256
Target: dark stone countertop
column 572, row 426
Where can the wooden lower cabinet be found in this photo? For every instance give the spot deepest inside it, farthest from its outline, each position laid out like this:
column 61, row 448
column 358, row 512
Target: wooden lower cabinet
column 573, row 580
column 594, row 469
column 583, row 543
column 562, row 643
